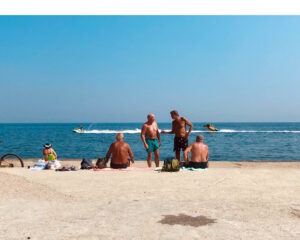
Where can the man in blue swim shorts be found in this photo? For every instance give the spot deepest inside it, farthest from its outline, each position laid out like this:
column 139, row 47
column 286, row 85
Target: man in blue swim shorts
column 151, row 139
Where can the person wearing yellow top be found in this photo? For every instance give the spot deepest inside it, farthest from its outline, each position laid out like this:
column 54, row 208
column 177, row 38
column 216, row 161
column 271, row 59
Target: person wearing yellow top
column 49, row 153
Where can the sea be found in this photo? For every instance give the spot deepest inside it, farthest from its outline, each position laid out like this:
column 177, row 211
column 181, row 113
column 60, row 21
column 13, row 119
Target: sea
column 234, row 141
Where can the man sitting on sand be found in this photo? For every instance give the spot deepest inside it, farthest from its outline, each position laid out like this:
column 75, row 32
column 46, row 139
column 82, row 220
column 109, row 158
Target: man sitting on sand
column 151, row 139
column 49, row 153
column 119, row 151
column 179, row 129
column 199, row 151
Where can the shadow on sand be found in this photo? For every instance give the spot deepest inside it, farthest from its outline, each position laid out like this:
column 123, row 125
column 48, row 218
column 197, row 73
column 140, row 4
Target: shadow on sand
column 186, row 220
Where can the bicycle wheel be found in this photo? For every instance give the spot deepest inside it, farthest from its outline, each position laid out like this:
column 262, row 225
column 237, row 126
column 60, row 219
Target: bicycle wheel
column 11, row 160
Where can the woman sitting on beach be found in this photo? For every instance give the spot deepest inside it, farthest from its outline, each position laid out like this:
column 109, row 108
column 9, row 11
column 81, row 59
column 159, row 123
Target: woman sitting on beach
column 49, row 153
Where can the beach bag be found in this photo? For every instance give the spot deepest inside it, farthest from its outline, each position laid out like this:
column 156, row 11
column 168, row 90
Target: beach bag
column 171, row 165
column 86, row 164
column 101, row 163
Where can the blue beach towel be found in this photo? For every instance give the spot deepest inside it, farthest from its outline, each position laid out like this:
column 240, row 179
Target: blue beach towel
column 193, row 169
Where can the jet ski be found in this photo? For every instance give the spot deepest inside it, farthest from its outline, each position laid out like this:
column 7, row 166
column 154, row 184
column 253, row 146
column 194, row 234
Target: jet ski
column 78, row 130
column 210, row 127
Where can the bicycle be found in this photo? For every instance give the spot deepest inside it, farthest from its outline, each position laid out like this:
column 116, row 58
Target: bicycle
column 11, row 160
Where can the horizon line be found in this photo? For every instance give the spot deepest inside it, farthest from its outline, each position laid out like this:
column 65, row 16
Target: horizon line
column 144, row 121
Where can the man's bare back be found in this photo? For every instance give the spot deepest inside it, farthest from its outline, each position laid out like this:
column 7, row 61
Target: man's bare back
column 119, row 151
column 199, row 152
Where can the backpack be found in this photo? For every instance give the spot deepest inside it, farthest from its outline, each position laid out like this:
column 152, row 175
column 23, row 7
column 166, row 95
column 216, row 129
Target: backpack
column 101, row 163
column 86, row 164
column 171, row 165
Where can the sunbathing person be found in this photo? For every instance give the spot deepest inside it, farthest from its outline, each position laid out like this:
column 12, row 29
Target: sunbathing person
column 179, row 124
column 49, row 153
column 119, row 151
column 199, row 152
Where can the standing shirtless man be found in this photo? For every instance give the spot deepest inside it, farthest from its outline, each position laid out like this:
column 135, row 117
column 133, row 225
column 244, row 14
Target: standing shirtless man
column 151, row 139
column 179, row 124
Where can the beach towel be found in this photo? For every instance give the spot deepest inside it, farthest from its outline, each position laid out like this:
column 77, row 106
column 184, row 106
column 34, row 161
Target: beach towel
column 193, row 169
column 123, row 169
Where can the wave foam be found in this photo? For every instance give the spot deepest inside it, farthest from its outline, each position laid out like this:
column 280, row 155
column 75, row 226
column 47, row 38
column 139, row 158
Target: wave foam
column 108, row 131
column 258, row 131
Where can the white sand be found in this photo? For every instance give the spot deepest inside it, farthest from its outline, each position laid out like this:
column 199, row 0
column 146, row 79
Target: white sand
column 229, row 201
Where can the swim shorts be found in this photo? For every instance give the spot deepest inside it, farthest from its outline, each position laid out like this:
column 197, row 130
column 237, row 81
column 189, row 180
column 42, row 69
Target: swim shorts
column 180, row 143
column 195, row 165
column 153, row 145
column 118, row 166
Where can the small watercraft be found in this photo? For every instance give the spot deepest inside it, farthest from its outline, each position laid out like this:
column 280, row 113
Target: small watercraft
column 78, row 130
column 210, row 127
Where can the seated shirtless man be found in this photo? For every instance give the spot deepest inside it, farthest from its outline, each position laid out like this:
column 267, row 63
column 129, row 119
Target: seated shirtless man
column 179, row 127
column 119, row 151
column 49, row 153
column 199, row 151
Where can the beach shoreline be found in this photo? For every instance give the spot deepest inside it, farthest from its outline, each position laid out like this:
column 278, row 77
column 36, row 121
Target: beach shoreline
column 213, row 164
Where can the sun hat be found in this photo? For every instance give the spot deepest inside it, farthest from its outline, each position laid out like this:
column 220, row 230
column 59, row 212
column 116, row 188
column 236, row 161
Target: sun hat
column 47, row 145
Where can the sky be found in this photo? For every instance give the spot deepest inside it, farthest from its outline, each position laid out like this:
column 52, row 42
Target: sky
column 120, row 68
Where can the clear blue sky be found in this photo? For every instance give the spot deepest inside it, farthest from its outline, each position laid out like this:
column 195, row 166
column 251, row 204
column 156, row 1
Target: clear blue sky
column 117, row 69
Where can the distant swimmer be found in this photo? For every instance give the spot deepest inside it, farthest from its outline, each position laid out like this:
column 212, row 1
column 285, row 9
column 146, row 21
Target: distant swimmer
column 119, row 151
column 210, row 127
column 151, row 139
column 199, row 154
column 179, row 126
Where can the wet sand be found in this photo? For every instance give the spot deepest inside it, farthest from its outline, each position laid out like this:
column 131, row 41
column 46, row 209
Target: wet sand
column 231, row 200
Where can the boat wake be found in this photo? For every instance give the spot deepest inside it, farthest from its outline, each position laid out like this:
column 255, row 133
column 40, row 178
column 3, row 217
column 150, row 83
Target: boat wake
column 138, row 131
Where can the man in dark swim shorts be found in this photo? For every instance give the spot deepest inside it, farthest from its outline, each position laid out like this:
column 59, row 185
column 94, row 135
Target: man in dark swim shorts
column 199, row 152
column 118, row 166
column 179, row 124
column 180, row 143
column 119, row 151
column 202, row 165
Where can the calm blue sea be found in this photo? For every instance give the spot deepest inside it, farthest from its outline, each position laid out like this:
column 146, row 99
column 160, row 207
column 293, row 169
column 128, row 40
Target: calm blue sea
column 234, row 142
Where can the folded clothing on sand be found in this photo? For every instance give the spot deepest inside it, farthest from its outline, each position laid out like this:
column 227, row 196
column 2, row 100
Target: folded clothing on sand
column 42, row 165
column 52, row 165
column 39, row 165
column 125, row 169
column 66, row 168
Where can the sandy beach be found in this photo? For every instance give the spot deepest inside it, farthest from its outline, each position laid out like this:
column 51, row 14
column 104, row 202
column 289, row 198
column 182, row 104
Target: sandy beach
column 231, row 200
